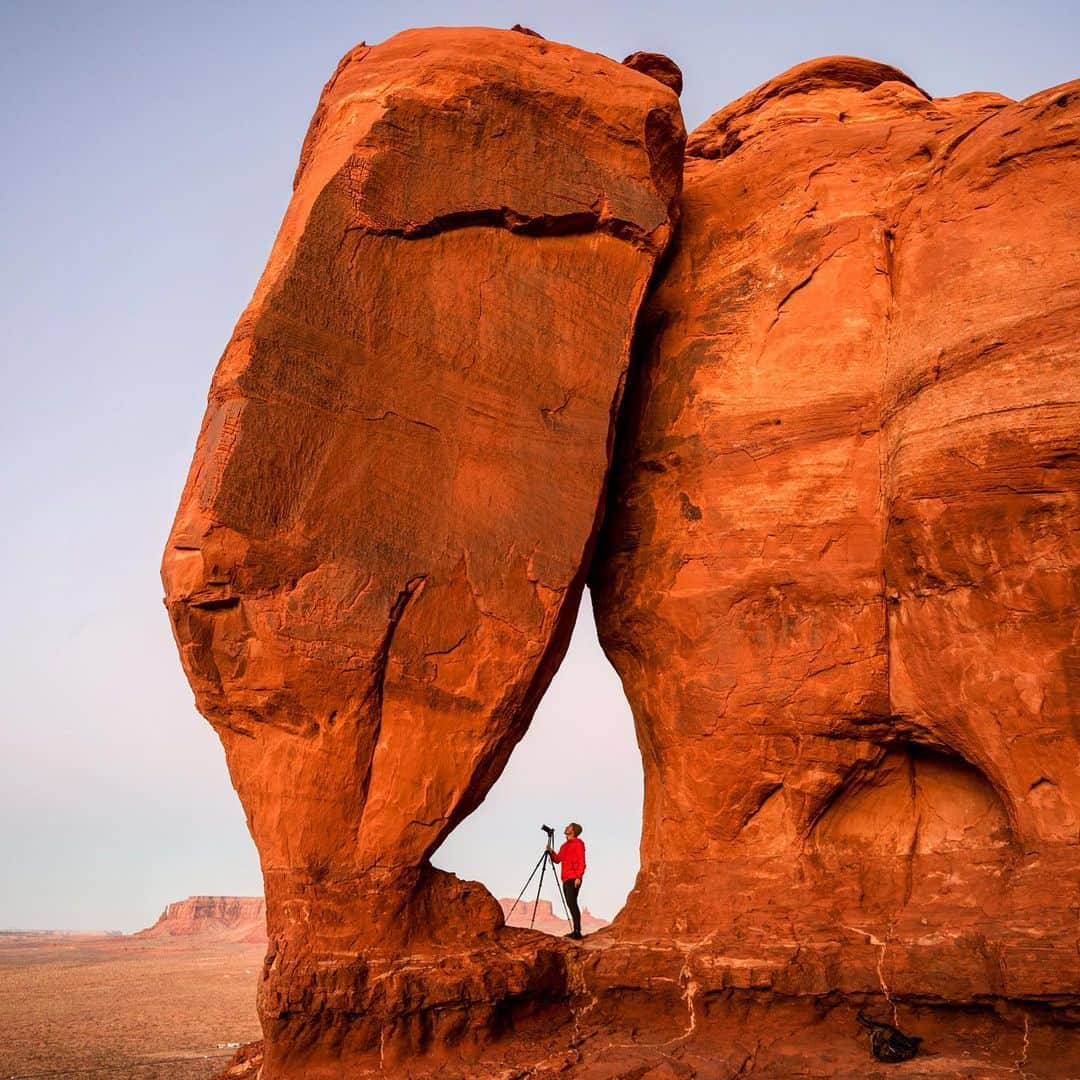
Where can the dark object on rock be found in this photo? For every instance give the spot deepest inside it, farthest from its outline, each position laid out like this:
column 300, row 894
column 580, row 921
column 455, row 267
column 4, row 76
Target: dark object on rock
column 657, row 66
column 519, row 29
column 888, row 1043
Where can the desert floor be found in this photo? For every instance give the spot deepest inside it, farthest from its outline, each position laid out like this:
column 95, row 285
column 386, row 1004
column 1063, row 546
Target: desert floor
column 96, row 1007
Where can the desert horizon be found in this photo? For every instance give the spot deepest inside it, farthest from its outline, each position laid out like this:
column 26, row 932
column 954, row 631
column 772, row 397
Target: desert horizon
column 174, row 1000
column 241, row 914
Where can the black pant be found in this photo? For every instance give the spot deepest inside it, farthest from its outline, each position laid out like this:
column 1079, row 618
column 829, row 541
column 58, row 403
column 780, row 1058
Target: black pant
column 570, row 891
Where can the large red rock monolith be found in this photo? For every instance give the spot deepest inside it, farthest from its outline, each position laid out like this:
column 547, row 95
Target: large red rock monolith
column 381, row 546
column 839, row 575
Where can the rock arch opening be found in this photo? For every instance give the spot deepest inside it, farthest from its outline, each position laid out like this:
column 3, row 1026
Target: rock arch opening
column 578, row 761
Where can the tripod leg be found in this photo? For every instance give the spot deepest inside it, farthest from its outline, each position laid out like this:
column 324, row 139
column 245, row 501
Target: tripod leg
column 538, row 888
column 526, row 885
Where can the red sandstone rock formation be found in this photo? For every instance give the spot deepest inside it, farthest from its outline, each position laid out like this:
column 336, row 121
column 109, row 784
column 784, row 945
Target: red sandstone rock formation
column 234, row 918
column 838, row 576
column 379, row 554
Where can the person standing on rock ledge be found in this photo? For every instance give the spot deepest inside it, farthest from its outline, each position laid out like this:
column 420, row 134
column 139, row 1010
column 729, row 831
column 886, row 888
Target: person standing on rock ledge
column 571, row 856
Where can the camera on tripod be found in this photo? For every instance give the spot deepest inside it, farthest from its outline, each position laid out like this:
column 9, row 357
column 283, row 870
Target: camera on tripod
column 542, row 865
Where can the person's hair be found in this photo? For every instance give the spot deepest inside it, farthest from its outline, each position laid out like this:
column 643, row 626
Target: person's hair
column 577, row 829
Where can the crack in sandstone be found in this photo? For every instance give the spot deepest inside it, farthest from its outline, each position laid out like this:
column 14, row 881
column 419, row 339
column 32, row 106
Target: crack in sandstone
column 806, row 280
column 550, row 413
column 382, row 655
column 883, row 945
column 1022, row 1062
column 576, row 223
column 577, row 985
column 373, row 700
column 749, row 1063
column 403, row 419
column 691, row 988
column 1065, row 144
column 950, row 148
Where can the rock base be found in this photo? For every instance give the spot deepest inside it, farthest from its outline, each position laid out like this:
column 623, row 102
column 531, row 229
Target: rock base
column 619, row 1009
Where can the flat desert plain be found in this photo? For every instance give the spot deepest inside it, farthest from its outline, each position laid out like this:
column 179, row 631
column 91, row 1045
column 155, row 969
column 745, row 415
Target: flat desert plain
column 78, row 1006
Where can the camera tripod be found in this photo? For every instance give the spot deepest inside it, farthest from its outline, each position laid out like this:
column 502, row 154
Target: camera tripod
column 541, row 865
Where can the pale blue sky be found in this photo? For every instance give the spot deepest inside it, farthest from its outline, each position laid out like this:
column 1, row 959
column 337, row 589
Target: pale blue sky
column 148, row 153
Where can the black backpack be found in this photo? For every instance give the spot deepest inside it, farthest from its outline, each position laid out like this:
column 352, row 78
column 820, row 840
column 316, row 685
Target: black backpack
column 888, row 1043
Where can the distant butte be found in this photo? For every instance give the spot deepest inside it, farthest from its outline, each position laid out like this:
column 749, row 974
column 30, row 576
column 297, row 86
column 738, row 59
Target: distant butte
column 546, row 921
column 802, row 404
column 226, row 918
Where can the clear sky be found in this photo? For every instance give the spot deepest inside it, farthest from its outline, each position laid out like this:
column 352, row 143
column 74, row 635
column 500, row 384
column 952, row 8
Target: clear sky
column 148, row 152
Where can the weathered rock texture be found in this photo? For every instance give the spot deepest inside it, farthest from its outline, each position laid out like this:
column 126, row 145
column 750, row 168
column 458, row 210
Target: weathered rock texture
column 380, row 550
column 839, row 577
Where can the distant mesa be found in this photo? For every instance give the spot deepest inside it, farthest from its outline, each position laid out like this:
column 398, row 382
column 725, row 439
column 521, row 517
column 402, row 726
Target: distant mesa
column 240, row 919
column 546, row 921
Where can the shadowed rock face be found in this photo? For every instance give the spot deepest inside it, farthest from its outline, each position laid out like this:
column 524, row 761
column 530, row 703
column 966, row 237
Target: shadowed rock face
column 379, row 554
column 837, row 575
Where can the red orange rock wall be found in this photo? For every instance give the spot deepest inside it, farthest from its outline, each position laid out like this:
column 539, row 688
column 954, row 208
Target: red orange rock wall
column 839, row 571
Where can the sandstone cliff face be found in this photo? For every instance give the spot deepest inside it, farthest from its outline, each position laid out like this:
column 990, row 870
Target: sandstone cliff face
column 379, row 553
column 839, row 574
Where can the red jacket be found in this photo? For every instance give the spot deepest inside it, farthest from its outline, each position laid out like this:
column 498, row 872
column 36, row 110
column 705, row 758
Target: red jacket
column 572, row 857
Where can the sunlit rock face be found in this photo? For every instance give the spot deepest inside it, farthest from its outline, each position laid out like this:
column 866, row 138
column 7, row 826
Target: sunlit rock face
column 838, row 576
column 382, row 543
